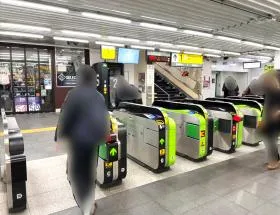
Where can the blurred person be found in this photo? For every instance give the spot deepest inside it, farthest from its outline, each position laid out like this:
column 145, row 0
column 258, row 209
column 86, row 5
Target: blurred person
column 83, row 124
column 230, row 87
column 270, row 126
column 254, row 88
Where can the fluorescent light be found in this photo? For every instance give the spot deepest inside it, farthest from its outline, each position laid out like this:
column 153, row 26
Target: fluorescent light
column 198, row 33
column 159, row 27
column 78, row 33
column 70, row 39
column 170, row 50
column 36, row 6
column 228, row 39
column 253, row 44
column 272, row 48
column 212, row 55
column 232, row 53
column 188, row 47
column 19, row 34
column 106, row 18
column 152, row 18
column 274, row 2
column 23, row 27
column 143, row 47
column 212, row 51
column 159, row 43
column 250, row 6
column 196, row 53
column 245, row 59
column 264, row 5
column 116, row 11
column 109, row 44
column 123, row 39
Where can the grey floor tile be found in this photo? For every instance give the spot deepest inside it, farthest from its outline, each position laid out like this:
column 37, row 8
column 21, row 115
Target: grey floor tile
column 263, row 191
column 245, row 199
column 267, row 209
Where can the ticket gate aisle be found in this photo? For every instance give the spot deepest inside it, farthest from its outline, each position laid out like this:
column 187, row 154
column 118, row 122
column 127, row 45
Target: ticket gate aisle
column 252, row 112
column 151, row 135
column 228, row 124
column 194, row 129
column 112, row 159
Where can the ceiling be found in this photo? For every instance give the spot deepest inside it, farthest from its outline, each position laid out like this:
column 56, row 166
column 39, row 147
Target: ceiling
column 253, row 20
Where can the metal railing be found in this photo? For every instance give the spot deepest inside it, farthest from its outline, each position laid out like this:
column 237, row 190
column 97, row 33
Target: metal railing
column 168, row 95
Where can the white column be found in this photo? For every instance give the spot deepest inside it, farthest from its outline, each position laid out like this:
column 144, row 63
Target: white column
column 277, row 60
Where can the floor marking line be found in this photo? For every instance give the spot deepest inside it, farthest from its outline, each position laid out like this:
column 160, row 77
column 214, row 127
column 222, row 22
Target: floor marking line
column 34, row 130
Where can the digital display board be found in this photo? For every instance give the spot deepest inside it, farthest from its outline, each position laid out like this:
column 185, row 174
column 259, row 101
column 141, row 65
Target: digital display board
column 128, row 56
column 108, row 52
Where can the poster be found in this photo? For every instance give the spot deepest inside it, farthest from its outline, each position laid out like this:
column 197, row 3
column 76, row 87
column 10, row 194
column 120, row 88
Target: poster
column 20, row 104
column 48, row 83
column 34, row 103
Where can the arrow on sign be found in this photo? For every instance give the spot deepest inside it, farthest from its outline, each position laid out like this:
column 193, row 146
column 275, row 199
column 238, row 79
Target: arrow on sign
column 161, row 141
column 113, row 152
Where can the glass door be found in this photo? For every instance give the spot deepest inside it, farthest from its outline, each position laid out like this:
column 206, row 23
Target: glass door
column 46, row 77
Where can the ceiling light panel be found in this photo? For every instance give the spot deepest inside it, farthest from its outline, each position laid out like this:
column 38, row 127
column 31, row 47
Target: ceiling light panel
column 158, row 27
column 234, row 40
column 188, row 47
column 106, row 18
column 170, row 50
column 123, row 39
column 253, row 44
column 159, row 43
column 20, row 34
column 23, row 27
column 212, row 50
column 143, row 47
column 272, row 48
column 198, row 33
column 232, row 53
column 36, row 6
column 82, row 34
column 212, row 55
column 70, row 39
column 109, row 44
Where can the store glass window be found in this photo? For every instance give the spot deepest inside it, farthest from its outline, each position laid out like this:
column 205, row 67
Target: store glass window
column 46, row 85
column 67, row 64
column 6, row 100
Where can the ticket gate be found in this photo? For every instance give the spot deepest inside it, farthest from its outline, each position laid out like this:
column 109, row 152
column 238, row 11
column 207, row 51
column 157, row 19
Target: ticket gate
column 252, row 111
column 151, row 135
column 14, row 165
column 251, row 98
column 228, row 124
column 112, row 159
column 194, row 129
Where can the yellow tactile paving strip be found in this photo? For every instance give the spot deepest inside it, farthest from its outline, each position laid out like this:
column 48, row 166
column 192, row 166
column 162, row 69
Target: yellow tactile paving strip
column 34, row 130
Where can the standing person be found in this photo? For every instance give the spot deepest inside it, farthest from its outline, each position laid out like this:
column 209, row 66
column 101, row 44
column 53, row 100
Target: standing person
column 84, row 124
column 254, row 88
column 270, row 126
column 230, row 87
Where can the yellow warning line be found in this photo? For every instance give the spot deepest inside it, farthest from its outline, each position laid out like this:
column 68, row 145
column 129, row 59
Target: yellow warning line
column 34, row 130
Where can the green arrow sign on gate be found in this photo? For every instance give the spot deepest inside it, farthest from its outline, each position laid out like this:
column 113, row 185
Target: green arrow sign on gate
column 161, row 141
column 113, row 152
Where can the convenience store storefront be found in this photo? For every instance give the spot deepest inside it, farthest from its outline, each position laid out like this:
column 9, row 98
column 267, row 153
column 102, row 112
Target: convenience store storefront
column 36, row 78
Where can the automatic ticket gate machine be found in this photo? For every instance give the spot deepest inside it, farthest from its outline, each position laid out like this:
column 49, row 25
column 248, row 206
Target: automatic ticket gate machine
column 252, row 111
column 228, row 124
column 251, row 98
column 151, row 135
column 194, row 129
column 112, row 159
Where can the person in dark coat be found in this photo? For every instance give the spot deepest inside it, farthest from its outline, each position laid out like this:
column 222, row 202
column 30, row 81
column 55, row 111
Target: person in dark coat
column 83, row 124
column 230, row 87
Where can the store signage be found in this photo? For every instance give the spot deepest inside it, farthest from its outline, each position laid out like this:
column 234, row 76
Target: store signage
column 190, row 60
column 108, row 52
column 66, row 78
column 20, row 104
column 268, row 68
column 34, row 103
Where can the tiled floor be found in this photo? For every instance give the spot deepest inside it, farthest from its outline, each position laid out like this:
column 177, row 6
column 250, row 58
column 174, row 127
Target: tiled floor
column 241, row 180
column 233, row 187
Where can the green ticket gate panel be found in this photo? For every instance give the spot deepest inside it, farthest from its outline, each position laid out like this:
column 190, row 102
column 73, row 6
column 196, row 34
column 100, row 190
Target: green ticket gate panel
column 112, row 159
column 251, row 110
column 151, row 135
column 192, row 122
column 228, row 124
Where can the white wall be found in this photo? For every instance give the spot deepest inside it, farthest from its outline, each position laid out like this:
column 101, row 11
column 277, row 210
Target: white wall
column 207, row 72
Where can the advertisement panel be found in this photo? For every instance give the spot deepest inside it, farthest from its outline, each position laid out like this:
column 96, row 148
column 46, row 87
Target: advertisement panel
column 189, row 60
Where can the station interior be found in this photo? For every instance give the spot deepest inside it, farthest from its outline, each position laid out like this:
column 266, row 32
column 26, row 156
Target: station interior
column 177, row 78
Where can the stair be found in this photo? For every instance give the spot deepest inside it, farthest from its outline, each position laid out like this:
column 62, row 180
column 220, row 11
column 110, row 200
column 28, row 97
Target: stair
column 164, row 90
